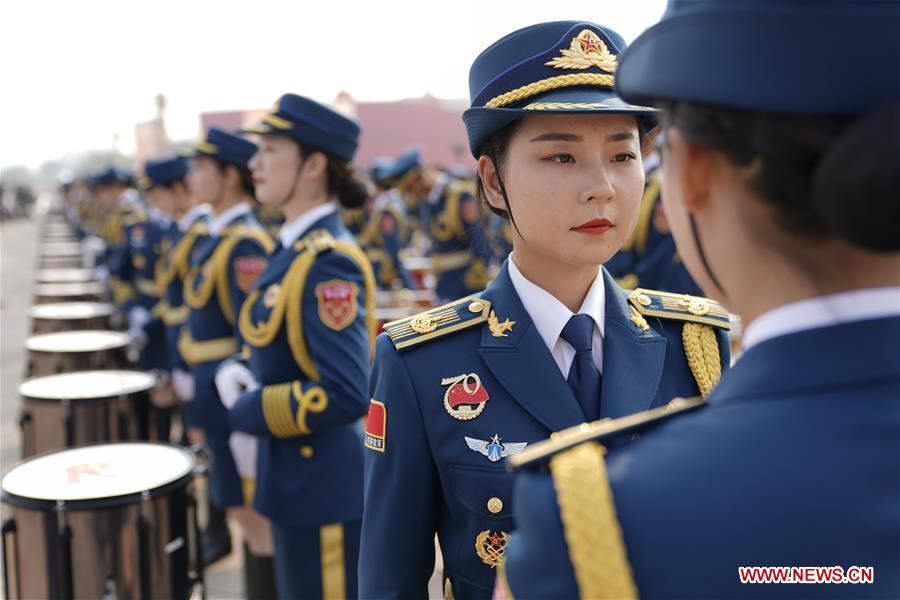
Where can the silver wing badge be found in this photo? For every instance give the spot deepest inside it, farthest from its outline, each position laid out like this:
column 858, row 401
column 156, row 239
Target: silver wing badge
column 494, row 449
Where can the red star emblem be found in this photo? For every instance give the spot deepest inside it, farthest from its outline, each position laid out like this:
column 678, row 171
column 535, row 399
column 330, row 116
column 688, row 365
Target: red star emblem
column 495, row 539
column 588, row 44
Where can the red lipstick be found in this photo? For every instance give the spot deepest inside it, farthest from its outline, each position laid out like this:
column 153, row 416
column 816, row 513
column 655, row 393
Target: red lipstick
column 594, row 227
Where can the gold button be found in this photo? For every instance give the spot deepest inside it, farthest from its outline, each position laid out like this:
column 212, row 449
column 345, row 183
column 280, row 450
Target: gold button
column 495, row 505
column 476, row 307
column 306, row 451
column 644, row 299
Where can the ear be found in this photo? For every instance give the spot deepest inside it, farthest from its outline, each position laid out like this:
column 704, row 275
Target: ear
column 490, row 183
column 315, row 165
column 693, row 169
column 232, row 177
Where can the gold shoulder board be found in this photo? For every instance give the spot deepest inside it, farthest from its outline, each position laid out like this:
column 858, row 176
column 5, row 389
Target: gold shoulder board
column 682, row 307
column 438, row 322
column 597, row 431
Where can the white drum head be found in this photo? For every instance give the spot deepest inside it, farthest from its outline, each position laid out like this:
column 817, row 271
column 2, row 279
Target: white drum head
column 77, row 341
column 98, row 472
column 85, row 385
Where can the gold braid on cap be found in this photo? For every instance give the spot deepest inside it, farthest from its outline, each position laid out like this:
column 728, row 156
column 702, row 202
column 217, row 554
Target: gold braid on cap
column 551, row 83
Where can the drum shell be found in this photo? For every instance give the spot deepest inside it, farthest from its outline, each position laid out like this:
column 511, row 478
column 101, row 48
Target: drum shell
column 109, row 548
column 40, row 325
column 68, row 292
column 50, row 363
column 56, row 424
column 61, row 262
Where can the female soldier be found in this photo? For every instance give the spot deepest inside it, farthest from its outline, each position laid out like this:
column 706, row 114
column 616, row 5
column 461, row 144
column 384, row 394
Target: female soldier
column 223, row 268
column 308, row 324
column 459, row 387
column 781, row 190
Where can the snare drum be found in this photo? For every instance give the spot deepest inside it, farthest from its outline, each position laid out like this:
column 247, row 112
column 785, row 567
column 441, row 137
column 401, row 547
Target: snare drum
column 61, row 249
column 64, row 276
column 70, row 351
column 89, row 407
column 70, row 316
column 91, row 291
column 106, row 521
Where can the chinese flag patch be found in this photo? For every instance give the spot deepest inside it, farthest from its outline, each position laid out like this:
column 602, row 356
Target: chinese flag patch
column 246, row 270
column 376, row 423
column 337, row 303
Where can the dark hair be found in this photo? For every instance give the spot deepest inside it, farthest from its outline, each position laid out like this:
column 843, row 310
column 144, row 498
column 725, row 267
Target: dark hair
column 340, row 181
column 826, row 177
column 245, row 176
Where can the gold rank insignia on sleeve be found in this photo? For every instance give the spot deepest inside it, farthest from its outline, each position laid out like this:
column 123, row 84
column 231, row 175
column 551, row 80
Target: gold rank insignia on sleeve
column 438, row 322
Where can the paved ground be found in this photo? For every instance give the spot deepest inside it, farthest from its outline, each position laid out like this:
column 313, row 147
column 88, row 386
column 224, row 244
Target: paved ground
column 19, row 243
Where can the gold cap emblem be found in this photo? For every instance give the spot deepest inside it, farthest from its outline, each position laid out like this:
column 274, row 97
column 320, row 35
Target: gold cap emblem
column 586, row 50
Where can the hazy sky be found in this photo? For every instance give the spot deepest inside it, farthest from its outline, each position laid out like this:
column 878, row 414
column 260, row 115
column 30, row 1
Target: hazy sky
column 77, row 72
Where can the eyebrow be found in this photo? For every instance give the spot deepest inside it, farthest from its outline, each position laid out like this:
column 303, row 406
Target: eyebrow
column 621, row 136
column 557, row 137
column 573, row 137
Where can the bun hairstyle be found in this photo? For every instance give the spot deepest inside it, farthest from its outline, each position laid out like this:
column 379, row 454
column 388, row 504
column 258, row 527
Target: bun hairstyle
column 856, row 188
column 351, row 192
column 826, row 177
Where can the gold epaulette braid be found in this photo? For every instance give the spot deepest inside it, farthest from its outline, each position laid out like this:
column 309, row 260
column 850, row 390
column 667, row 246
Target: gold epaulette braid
column 551, row 83
column 591, row 528
column 263, row 333
column 702, row 351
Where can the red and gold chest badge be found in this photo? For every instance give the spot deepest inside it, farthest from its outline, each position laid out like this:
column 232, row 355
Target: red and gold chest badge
column 376, row 425
column 466, row 397
column 246, row 270
column 490, row 547
column 338, row 304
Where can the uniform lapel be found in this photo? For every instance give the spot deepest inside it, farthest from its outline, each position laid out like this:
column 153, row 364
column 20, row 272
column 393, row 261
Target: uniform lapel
column 633, row 359
column 522, row 363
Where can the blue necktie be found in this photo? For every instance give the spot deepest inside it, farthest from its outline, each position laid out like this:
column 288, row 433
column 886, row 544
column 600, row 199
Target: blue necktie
column 584, row 378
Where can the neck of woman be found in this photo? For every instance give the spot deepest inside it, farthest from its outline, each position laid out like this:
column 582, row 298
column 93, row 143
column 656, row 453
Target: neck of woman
column 301, row 203
column 568, row 283
column 227, row 200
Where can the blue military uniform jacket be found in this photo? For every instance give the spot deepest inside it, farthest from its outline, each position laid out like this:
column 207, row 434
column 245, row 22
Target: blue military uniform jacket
column 458, row 388
column 460, row 248
column 171, row 269
column 800, row 438
column 222, row 273
column 308, row 324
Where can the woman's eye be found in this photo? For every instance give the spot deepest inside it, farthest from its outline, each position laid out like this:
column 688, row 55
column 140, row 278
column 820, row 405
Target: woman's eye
column 624, row 157
column 562, row 158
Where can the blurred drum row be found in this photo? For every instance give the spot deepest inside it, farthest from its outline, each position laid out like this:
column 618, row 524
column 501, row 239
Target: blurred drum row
column 103, row 505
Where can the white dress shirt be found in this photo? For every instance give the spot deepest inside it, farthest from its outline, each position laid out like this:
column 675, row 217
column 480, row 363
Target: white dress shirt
column 291, row 232
column 550, row 316
column 159, row 217
column 191, row 216
column 814, row 313
column 224, row 219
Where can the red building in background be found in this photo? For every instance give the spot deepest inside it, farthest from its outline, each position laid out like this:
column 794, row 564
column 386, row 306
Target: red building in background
column 389, row 128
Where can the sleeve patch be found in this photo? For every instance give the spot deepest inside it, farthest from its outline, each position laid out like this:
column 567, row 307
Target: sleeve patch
column 376, row 426
column 338, row 303
column 246, row 270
